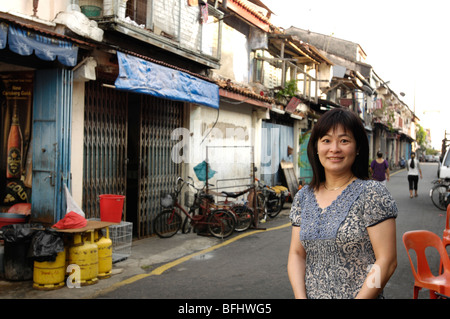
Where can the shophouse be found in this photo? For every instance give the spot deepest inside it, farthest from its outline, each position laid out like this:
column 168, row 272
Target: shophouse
column 122, row 97
column 390, row 124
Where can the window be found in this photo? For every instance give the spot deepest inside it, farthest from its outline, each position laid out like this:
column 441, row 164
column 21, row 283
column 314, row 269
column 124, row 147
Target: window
column 137, row 11
column 178, row 22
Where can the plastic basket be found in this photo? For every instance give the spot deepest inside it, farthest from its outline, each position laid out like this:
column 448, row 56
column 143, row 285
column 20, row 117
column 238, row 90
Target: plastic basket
column 91, row 11
column 167, row 200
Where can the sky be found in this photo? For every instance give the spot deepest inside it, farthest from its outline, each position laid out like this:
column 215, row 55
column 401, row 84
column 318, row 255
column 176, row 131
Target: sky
column 406, row 43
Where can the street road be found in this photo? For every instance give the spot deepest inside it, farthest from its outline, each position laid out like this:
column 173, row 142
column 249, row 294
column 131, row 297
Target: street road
column 414, row 214
column 254, row 267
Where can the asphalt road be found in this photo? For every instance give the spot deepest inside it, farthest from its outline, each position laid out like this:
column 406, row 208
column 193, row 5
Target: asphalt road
column 254, row 267
column 414, row 214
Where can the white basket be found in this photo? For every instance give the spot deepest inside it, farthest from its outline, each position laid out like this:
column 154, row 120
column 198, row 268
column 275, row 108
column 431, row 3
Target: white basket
column 121, row 236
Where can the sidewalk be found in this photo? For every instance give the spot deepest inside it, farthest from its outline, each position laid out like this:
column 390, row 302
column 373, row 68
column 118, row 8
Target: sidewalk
column 146, row 255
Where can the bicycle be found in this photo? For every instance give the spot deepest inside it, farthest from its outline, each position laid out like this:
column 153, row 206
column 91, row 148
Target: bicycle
column 440, row 193
column 219, row 222
column 242, row 211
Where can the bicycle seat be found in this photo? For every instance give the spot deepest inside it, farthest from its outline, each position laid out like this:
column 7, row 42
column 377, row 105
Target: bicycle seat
column 233, row 194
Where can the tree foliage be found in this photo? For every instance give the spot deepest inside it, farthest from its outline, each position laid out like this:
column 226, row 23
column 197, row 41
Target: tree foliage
column 421, row 137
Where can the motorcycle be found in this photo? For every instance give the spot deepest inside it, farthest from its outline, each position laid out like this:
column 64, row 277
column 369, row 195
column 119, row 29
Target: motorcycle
column 402, row 163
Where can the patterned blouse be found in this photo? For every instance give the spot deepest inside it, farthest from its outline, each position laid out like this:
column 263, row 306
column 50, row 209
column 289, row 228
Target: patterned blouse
column 338, row 249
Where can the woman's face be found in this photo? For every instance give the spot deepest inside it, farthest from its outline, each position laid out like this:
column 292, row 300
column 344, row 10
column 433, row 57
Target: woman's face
column 337, row 150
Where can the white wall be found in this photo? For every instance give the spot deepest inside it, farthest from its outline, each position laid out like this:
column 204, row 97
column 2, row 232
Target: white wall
column 77, row 141
column 235, row 55
column 227, row 143
column 47, row 9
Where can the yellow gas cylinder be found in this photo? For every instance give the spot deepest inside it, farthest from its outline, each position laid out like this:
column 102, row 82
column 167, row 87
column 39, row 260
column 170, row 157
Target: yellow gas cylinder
column 104, row 245
column 84, row 254
column 49, row 275
column 68, row 239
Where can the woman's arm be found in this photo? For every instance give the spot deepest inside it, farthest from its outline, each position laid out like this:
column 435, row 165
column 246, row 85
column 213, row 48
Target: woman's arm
column 384, row 243
column 419, row 169
column 297, row 264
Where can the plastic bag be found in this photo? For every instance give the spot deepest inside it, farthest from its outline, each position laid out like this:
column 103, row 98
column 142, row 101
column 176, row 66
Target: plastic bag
column 72, row 220
column 45, row 245
column 200, row 171
column 18, row 233
column 71, row 205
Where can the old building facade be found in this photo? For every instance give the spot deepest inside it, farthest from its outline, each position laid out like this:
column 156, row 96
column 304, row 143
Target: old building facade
column 122, row 97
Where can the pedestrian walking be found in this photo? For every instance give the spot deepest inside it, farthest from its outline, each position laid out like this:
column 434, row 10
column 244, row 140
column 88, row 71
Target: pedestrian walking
column 341, row 218
column 379, row 168
column 414, row 171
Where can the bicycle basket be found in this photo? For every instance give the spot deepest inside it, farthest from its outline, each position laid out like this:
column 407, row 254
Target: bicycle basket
column 167, row 200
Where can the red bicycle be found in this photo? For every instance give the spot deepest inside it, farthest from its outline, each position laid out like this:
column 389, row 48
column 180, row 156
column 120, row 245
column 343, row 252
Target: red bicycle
column 218, row 222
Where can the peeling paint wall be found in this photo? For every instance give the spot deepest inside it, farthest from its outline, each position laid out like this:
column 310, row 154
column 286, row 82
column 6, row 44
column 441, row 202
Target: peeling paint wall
column 235, row 55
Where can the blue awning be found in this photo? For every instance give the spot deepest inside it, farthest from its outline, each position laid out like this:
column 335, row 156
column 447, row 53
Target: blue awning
column 25, row 42
column 140, row 76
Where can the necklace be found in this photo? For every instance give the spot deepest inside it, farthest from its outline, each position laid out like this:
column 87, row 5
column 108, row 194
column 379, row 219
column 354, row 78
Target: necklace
column 336, row 188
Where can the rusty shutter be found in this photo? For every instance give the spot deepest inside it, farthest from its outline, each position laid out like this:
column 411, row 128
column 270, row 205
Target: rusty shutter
column 105, row 145
column 157, row 171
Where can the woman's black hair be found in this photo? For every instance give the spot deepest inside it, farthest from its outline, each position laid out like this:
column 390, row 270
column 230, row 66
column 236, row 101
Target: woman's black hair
column 330, row 120
column 412, row 165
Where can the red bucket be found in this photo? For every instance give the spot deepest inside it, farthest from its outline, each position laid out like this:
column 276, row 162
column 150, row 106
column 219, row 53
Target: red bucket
column 111, row 207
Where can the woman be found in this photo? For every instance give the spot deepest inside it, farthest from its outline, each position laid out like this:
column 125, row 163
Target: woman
column 379, row 168
column 414, row 170
column 343, row 242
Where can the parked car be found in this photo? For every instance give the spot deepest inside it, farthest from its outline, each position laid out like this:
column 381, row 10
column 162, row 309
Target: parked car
column 444, row 167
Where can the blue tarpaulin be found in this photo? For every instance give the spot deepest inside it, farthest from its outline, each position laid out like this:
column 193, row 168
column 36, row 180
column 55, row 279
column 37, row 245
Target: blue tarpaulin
column 141, row 76
column 25, row 42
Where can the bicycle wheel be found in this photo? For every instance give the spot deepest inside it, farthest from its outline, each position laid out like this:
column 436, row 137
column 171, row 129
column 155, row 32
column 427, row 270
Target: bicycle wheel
column 187, row 225
column 221, row 223
column 438, row 196
column 244, row 217
column 261, row 209
column 186, row 228
column 277, row 208
column 167, row 223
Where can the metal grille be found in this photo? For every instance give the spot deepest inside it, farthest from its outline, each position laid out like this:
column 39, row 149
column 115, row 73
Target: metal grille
column 157, row 171
column 105, row 145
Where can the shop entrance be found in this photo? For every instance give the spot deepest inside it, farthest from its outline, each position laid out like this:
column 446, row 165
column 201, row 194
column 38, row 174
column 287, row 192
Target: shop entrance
column 150, row 167
column 127, row 151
